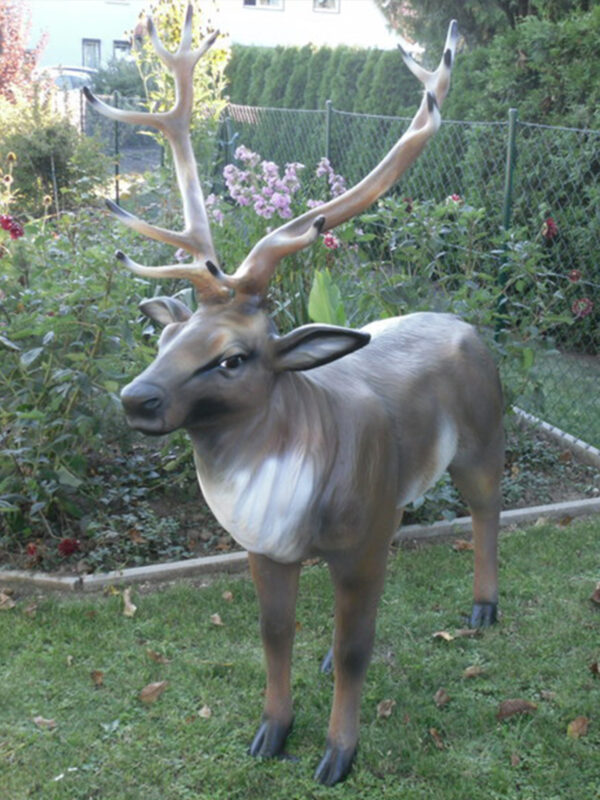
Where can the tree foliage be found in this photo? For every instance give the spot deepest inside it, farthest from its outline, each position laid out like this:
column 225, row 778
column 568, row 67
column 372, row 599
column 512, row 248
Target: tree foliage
column 17, row 62
column 479, row 20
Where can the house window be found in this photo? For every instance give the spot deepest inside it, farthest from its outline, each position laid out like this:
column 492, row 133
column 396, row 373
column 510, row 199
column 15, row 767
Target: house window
column 272, row 4
column 121, row 49
column 90, row 53
column 326, row 5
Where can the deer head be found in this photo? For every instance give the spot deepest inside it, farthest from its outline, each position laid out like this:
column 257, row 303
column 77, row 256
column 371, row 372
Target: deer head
column 227, row 353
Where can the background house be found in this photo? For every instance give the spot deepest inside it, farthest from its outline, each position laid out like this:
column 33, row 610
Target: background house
column 89, row 33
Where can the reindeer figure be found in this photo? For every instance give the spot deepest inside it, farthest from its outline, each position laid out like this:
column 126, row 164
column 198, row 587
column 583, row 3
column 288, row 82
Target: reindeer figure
column 311, row 444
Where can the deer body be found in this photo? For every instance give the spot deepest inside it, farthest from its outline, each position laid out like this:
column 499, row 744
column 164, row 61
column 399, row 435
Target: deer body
column 296, row 482
column 311, row 443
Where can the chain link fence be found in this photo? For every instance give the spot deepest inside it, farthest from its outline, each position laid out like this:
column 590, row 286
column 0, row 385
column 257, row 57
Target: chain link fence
column 525, row 176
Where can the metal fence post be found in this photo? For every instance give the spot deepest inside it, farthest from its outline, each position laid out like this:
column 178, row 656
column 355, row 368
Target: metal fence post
column 117, row 148
column 328, row 119
column 511, row 157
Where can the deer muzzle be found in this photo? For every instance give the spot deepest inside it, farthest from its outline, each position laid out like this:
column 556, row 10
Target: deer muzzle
column 144, row 405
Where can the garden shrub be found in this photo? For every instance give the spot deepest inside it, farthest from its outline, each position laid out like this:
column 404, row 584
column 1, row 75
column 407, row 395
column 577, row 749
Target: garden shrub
column 54, row 160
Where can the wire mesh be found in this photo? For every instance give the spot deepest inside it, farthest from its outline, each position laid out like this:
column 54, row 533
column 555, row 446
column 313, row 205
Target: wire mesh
column 555, row 195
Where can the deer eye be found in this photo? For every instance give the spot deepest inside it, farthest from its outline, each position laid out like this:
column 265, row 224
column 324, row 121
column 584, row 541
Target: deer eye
column 233, row 362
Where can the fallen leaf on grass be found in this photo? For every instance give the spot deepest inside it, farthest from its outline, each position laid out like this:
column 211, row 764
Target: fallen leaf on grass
column 48, row 724
column 474, row 671
column 578, row 727
column 6, row 601
column 441, row 697
column 566, row 520
column 437, row 738
column 565, row 457
column 595, row 668
column 30, row 610
column 548, row 695
column 515, row 759
column 595, row 598
column 97, row 677
column 216, row 619
column 152, row 691
column 385, row 708
column 228, row 597
column 129, row 608
column 509, row 708
column 205, row 712
column 447, row 637
column 462, row 544
column 158, row 657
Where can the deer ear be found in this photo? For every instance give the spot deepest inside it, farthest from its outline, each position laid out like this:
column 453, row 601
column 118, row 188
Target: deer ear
column 313, row 345
column 165, row 310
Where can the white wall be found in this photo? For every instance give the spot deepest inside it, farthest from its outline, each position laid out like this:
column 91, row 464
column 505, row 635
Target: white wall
column 67, row 22
column 359, row 23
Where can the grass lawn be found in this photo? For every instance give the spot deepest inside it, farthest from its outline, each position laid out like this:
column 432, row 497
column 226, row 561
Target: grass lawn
column 82, row 664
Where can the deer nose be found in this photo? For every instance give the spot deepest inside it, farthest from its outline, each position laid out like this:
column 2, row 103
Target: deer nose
column 141, row 399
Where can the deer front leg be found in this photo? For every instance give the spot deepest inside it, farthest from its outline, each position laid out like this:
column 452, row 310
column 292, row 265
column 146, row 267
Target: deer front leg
column 357, row 595
column 277, row 588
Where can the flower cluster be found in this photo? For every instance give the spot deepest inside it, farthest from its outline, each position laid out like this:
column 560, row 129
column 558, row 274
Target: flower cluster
column 336, row 183
column 582, row 307
column 10, row 224
column 68, row 546
column 549, row 229
column 330, row 241
column 260, row 184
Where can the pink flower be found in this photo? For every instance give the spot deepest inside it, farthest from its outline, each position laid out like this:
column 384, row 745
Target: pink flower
column 582, row 307
column 549, row 229
column 455, row 199
column 574, row 276
column 5, row 221
column 330, row 241
column 16, row 230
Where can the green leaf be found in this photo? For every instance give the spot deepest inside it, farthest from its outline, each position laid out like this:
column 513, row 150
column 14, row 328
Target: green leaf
column 30, row 356
column 325, row 300
column 67, row 478
column 7, row 343
column 528, row 357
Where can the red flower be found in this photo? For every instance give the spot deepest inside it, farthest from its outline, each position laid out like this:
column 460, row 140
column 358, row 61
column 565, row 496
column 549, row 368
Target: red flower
column 68, row 546
column 574, row 276
column 16, row 230
column 31, row 549
column 582, row 307
column 549, row 229
column 6, row 221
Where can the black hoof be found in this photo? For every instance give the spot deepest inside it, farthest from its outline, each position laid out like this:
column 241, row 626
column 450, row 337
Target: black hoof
column 327, row 663
column 270, row 739
column 335, row 765
column 483, row 615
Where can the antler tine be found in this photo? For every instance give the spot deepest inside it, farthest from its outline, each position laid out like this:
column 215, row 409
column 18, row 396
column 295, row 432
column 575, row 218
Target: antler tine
column 255, row 272
column 175, row 124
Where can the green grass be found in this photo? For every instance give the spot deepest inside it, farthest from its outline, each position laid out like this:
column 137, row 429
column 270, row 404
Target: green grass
column 107, row 744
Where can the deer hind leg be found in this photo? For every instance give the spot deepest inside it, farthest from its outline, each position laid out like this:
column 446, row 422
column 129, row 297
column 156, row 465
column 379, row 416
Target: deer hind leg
column 277, row 589
column 357, row 592
column 480, row 486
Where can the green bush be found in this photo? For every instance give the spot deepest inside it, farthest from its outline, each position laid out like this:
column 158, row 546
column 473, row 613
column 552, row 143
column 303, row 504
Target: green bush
column 53, row 159
column 118, row 76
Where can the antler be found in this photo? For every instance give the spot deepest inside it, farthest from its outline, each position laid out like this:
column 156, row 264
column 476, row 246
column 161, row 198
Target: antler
column 175, row 125
column 254, row 273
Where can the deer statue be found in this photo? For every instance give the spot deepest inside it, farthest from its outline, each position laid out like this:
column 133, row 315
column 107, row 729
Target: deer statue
column 311, row 443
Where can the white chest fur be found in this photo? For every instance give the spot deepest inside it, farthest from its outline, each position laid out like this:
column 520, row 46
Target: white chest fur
column 264, row 506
